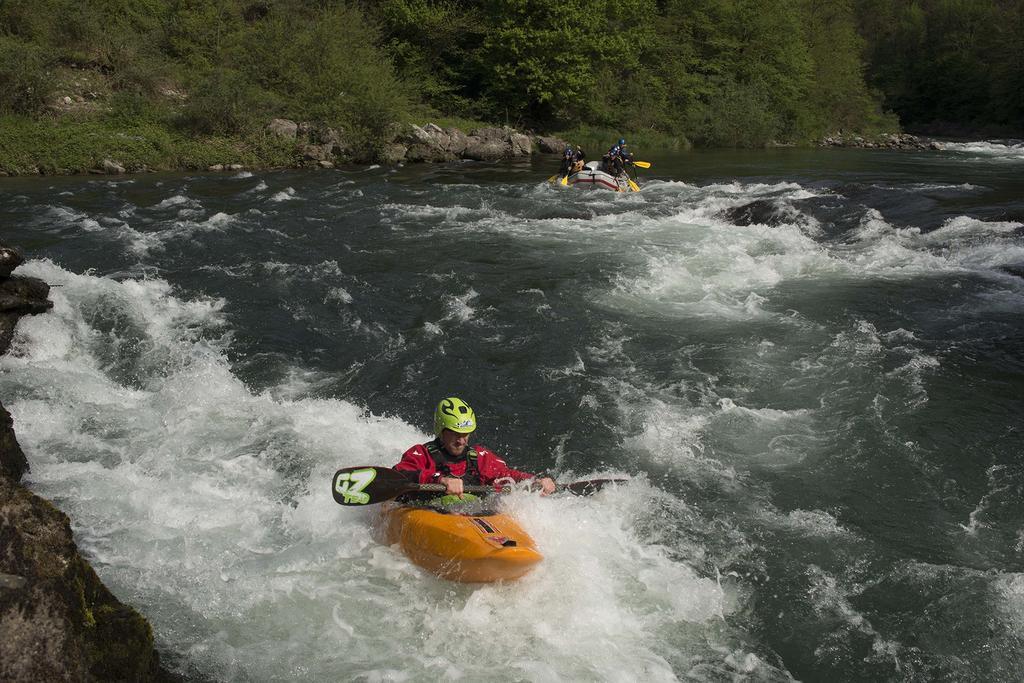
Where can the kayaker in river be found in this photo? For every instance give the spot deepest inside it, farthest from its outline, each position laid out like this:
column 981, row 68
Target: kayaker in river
column 450, row 460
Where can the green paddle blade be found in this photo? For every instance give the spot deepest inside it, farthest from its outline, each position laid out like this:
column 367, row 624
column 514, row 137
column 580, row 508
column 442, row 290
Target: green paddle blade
column 367, row 485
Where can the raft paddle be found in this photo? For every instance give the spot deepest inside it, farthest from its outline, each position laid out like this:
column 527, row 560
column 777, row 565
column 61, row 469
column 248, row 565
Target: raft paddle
column 368, row 485
column 642, row 164
column 565, row 180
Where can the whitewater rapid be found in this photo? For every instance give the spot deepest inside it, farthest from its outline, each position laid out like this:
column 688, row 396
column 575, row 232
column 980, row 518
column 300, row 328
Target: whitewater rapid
column 219, row 346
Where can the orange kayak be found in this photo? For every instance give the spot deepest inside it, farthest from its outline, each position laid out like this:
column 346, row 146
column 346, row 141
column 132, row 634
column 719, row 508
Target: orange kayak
column 461, row 547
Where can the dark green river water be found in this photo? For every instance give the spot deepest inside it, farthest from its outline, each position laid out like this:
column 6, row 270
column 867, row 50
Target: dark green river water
column 810, row 363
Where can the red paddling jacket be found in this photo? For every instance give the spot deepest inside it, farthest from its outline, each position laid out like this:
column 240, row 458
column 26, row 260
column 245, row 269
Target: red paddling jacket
column 479, row 464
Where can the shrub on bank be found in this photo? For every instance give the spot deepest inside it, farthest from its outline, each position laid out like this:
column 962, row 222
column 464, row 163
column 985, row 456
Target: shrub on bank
column 225, row 102
column 26, row 81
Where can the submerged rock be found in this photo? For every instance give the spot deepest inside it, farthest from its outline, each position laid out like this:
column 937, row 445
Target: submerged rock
column 758, row 212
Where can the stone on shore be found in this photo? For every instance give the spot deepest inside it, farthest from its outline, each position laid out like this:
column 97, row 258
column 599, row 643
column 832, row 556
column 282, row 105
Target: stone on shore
column 550, row 144
column 283, row 128
column 111, row 167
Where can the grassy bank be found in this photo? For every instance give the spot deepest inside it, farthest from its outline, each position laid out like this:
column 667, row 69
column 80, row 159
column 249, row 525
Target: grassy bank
column 66, row 146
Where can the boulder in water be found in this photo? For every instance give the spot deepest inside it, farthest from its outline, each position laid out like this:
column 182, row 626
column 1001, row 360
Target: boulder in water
column 758, row 212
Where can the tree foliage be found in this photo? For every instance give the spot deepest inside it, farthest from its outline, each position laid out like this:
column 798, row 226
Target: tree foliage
column 951, row 63
column 718, row 72
column 734, row 72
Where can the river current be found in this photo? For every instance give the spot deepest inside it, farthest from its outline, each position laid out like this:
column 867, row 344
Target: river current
column 810, row 363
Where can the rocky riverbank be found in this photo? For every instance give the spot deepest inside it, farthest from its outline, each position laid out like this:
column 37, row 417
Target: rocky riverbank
column 323, row 146
column 60, row 148
column 880, row 141
column 58, row 622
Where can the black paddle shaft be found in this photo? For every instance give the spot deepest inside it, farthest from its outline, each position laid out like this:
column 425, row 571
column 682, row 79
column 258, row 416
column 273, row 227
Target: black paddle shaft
column 368, row 485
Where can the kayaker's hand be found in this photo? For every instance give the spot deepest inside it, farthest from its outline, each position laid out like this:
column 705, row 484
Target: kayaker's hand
column 547, row 486
column 453, row 486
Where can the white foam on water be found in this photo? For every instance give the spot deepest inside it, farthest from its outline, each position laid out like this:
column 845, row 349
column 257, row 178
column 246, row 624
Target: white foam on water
column 670, row 433
column 63, row 215
column 141, row 243
column 712, row 269
column 961, row 244
column 285, row 195
column 297, row 271
column 986, row 149
column 1009, row 587
column 118, row 230
column 207, row 506
column 183, row 230
column 700, row 266
column 927, row 187
column 830, row 601
column 964, row 229
column 178, row 200
column 458, row 306
column 457, row 217
column 338, row 294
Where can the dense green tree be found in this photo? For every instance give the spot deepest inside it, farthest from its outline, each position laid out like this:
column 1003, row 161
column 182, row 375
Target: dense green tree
column 431, row 43
column 741, row 69
column 957, row 63
column 838, row 94
column 544, row 58
column 324, row 64
column 720, row 72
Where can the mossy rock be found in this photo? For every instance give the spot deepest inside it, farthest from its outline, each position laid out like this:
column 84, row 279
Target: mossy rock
column 57, row 619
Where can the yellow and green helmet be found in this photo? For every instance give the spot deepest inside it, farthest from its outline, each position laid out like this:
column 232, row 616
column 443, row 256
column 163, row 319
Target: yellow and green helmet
column 453, row 413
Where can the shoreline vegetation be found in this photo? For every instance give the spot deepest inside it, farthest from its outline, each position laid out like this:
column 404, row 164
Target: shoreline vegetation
column 52, row 148
column 118, row 86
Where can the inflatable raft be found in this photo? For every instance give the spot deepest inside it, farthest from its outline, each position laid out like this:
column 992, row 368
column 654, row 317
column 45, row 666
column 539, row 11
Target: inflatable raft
column 479, row 548
column 593, row 178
